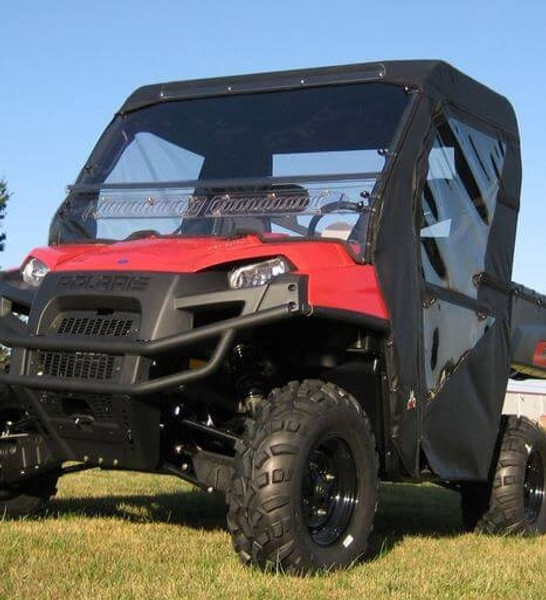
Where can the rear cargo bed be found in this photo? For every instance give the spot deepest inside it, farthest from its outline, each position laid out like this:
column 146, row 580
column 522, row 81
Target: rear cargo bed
column 528, row 332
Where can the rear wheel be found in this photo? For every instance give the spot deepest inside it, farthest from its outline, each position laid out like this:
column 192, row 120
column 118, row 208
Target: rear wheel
column 304, row 490
column 515, row 500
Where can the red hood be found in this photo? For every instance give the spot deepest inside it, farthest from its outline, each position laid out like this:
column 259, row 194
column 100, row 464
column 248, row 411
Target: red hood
column 188, row 255
column 336, row 280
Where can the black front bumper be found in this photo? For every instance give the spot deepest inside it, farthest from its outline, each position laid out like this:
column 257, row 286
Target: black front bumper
column 167, row 307
column 82, row 365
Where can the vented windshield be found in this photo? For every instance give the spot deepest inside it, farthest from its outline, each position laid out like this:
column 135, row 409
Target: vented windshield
column 298, row 163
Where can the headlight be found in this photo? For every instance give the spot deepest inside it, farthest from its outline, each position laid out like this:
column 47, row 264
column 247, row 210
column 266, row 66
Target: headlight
column 257, row 273
column 34, row 271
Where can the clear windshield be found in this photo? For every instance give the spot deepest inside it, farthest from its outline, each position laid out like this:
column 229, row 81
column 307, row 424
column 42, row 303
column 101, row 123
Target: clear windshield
column 298, row 163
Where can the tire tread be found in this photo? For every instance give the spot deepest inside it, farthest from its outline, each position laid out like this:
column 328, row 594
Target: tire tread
column 260, row 533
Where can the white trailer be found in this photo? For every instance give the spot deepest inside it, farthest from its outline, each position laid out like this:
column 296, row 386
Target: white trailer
column 526, row 398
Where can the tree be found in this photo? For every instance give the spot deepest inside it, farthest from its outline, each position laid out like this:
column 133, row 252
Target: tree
column 4, row 197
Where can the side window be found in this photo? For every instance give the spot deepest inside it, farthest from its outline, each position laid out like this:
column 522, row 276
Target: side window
column 450, row 332
column 458, row 204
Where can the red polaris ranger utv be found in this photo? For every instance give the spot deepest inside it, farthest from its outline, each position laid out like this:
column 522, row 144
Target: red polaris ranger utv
column 287, row 287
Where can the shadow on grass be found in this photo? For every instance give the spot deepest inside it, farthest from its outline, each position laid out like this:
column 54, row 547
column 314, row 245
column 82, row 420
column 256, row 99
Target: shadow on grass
column 404, row 510
column 194, row 509
column 407, row 510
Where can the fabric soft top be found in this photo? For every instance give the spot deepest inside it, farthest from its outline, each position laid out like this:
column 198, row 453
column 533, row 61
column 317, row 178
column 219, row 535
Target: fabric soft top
column 435, row 78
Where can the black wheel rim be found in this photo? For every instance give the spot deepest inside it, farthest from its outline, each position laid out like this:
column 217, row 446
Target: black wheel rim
column 329, row 490
column 533, row 487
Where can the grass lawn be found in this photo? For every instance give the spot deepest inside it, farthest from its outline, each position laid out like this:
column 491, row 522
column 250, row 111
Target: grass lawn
column 124, row 535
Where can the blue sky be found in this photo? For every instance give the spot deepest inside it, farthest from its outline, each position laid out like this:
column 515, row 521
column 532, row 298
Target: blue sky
column 66, row 66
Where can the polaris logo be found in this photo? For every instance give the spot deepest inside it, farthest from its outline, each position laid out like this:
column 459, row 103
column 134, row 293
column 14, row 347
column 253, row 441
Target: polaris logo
column 104, row 283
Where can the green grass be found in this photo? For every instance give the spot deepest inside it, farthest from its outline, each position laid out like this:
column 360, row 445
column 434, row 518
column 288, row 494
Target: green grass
column 118, row 535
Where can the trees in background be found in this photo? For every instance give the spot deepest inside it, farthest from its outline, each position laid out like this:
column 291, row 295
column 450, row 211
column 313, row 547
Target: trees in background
column 4, row 197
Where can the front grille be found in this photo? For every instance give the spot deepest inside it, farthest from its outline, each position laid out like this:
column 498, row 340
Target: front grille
column 92, row 324
column 76, row 365
column 95, row 326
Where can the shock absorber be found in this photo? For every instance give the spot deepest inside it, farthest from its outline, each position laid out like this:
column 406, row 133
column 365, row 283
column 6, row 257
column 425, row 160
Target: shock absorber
column 251, row 368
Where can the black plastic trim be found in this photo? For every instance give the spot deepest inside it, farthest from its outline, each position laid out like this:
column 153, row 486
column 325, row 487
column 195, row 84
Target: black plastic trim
column 19, row 294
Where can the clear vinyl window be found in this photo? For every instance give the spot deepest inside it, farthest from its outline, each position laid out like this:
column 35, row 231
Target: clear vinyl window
column 450, row 333
column 299, row 163
column 458, row 204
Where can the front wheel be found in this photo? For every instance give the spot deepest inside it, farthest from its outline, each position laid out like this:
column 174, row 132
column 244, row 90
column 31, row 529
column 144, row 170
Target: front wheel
column 304, row 490
column 28, row 499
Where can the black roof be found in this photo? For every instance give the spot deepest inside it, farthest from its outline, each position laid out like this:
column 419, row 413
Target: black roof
column 435, row 78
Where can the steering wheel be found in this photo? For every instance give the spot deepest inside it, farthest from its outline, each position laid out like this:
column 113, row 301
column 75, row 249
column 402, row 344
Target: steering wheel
column 330, row 207
column 141, row 234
